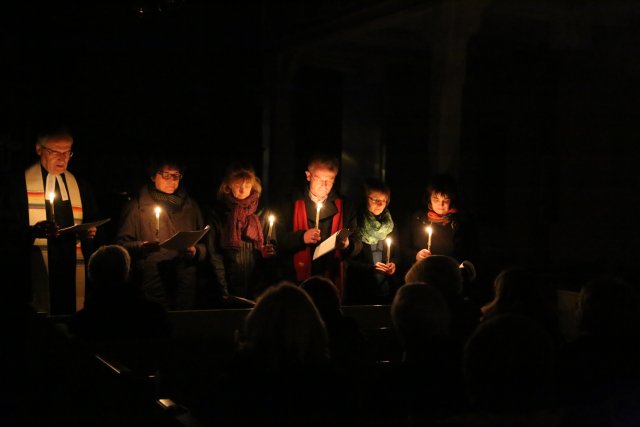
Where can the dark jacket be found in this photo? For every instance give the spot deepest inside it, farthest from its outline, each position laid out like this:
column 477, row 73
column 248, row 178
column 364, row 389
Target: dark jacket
column 364, row 284
column 237, row 271
column 18, row 243
column 455, row 239
column 138, row 223
column 165, row 275
column 289, row 241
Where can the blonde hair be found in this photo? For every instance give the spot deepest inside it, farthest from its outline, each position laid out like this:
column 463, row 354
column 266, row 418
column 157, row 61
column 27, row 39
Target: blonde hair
column 323, row 161
column 237, row 172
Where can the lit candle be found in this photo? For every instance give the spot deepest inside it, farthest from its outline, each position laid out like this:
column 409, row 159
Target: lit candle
column 51, row 197
column 429, row 232
column 388, row 249
column 271, row 219
column 318, row 207
column 157, row 210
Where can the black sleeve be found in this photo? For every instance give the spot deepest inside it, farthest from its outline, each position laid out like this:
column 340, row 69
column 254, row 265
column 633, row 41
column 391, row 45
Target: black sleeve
column 214, row 251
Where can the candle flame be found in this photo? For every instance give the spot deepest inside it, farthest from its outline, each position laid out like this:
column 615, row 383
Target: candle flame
column 157, row 210
column 271, row 219
column 388, row 241
column 319, row 205
column 429, row 230
column 51, row 197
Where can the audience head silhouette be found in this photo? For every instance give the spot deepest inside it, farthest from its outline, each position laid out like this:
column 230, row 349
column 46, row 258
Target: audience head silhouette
column 418, row 312
column 518, row 291
column 440, row 271
column 284, row 330
column 509, row 364
column 109, row 265
column 324, row 295
column 609, row 306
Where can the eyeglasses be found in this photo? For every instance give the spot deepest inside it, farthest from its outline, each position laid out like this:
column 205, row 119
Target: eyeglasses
column 57, row 154
column 168, row 176
column 377, row 201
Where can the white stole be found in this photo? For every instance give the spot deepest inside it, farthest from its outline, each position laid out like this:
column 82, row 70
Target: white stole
column 39, row 257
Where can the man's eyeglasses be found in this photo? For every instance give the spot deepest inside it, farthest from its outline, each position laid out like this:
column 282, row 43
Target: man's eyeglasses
column 377, row 201
column 168, row 176
column 57, row 154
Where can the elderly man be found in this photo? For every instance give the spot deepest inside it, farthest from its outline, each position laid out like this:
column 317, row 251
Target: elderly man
column 42, row 201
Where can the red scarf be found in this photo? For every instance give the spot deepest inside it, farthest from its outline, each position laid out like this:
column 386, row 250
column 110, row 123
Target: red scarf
column 242, row 222
column 443, row 219
column 302, row 259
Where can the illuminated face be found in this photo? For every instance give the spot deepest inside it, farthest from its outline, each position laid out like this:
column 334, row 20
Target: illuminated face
column 167, row 180
column 54, row 155
column 241, row 188
column 321, row 181
column 440, row 203
column 376, row 202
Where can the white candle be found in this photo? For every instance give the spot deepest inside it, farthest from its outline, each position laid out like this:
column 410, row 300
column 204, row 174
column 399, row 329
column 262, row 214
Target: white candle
column 388, row 249
column 52, row 196
column 318, row 207
column 157, row 210
column 271, row 220
column 429, row 232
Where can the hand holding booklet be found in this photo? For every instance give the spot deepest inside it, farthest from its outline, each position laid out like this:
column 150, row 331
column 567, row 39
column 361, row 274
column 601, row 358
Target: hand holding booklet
column 330, row 243
column 183, row 239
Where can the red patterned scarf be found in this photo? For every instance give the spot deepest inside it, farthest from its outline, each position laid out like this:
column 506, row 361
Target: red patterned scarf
column 443, row 219
column 242, row 222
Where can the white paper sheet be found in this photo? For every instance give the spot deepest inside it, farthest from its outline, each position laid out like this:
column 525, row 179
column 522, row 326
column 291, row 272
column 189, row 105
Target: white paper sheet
column 84, row 227
column 183, row 239
column 330, row 243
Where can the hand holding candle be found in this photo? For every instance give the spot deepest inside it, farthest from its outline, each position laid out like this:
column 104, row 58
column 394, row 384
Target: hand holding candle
column 271, row 220
column 388, row 250
column 157, row 210
column 318, row 207
column 429, row 232
column 52, row 196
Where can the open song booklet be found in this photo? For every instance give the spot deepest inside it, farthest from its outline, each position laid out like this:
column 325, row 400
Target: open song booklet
column 183, row 239
column 83, row 227
column 330, row 243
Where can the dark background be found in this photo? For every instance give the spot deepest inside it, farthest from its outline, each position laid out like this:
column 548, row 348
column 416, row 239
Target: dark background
column 131, row 79
column 548, row 138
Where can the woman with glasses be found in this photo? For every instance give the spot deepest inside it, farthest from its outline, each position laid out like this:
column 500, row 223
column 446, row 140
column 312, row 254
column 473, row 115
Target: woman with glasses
column 371, row 275
column 161, row 209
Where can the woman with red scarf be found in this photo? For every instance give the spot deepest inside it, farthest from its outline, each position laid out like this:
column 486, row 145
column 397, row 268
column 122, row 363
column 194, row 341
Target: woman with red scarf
column 451, row 232
column 236, row 243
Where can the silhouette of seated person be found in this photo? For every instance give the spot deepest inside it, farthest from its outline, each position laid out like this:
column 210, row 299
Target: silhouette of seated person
column 44, row 379
column 445, row 274
column 600, row 369
column 346, row 341
column 282, row 370
column 49, row 380
column 509, row 366
column 117, row 320
column 518, row 291
column 427, row 385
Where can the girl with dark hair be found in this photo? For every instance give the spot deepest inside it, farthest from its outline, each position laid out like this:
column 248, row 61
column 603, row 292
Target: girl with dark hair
column 441, row 228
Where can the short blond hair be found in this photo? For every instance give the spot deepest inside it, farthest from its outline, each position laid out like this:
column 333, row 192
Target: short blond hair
column 325, row 161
